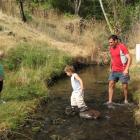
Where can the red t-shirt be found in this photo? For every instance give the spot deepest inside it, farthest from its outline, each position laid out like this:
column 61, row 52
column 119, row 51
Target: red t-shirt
column 116, row 63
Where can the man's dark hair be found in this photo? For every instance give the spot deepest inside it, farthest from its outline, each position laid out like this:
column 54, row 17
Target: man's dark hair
column 114, row 37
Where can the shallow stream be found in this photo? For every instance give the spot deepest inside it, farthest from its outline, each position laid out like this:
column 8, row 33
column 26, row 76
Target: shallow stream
column 115, row 123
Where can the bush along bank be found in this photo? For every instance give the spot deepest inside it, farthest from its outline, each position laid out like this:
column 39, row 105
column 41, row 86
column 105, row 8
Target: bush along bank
column 135, row 89
column 27, row 67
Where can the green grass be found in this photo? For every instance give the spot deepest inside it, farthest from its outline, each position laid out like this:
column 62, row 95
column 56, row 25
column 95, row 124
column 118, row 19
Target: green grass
column 135, row 90
column 14, row 112
column 135, row 82
column 27, row 68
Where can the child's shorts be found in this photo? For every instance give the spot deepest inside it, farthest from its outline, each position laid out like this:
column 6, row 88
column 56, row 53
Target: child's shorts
column 77, row 99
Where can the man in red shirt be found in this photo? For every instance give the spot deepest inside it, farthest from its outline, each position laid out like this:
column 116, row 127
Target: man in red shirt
column 119, row 70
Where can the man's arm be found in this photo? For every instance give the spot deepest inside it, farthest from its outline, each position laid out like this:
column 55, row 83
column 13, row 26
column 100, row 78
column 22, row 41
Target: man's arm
column 129, row 61
column 110, row 67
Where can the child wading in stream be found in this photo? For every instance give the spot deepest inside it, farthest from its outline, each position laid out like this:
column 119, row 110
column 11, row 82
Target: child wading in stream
column 1, row 75
column 77, row 96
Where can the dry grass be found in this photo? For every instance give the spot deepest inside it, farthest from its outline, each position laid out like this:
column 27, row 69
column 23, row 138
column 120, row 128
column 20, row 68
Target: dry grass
column 134, row 38
column 84, row 39
column 14, row 31
column 29, row 61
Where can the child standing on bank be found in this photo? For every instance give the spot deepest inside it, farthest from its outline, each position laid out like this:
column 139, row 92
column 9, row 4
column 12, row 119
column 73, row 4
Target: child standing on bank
column 77, row 96
column 1, row 75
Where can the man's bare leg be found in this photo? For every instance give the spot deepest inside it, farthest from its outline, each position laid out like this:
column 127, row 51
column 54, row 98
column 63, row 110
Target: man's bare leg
column 125, row 91
column 111, row 90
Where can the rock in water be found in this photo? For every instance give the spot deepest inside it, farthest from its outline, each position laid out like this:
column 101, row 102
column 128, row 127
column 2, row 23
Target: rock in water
column 71, row 111
column 90, row 114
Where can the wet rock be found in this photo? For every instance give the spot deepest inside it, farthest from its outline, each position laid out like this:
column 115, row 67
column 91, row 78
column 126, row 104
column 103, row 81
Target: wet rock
column 71, row 111
column 111, row 106
column 35, row 129
column 57, row 121
column 107, row 117
column 78, row 136
column 90, row 114
column 56, row 137
column 48, row 120
column 37, row 117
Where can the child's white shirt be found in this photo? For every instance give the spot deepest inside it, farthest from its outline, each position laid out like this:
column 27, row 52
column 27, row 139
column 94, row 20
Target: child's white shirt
column 75, row 83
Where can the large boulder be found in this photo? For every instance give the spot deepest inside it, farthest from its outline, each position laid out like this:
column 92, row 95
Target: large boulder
column 71, row 111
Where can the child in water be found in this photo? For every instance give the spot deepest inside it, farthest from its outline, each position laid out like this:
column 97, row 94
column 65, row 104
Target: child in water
column 77, row 96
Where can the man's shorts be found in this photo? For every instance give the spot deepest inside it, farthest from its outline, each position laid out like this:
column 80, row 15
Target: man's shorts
column 118, row 76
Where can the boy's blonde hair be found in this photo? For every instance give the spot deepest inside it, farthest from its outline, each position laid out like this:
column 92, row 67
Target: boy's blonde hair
column 69, row 68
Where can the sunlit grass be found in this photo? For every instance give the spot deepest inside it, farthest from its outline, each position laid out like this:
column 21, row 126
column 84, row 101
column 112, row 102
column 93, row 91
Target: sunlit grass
column 29, row 62
column 89, row 38
column 134, row 37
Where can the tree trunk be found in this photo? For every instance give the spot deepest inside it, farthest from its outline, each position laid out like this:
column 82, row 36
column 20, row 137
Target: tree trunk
column 77, row 4
column 114, row 3
column 0, row 4
column 106, row 18
column 22, row 11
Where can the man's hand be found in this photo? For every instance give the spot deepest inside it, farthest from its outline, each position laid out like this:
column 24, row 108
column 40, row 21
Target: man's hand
column 125, row 72
column 110, row 70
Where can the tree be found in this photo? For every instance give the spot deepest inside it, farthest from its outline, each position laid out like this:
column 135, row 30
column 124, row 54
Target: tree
column 22, row 11
column 62, row 5
column 77, row 4
column 106, row 18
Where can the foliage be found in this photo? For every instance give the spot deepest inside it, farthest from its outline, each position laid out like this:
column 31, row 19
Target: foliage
column 14, row 112
column 1, row 28
column 62, row 5
column 90, row 9
column 126, row 11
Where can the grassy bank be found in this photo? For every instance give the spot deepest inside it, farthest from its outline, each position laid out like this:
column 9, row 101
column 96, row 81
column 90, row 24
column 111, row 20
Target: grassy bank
column 83, row 38
column 28, row 67
column 37, row 54
column 134, row 38
column 30, row 63
column 135, row 90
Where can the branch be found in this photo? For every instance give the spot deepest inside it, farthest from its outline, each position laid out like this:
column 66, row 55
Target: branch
column 106, row 18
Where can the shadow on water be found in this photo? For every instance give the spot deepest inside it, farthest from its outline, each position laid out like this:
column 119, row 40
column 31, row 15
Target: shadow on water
column 115, row 124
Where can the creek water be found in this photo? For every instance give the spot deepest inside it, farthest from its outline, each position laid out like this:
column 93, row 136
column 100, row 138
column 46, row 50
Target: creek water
column 116, row 123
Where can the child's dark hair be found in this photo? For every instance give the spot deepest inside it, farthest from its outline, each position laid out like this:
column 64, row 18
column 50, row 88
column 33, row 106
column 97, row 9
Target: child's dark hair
column 69, row 68
column 114, row 37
